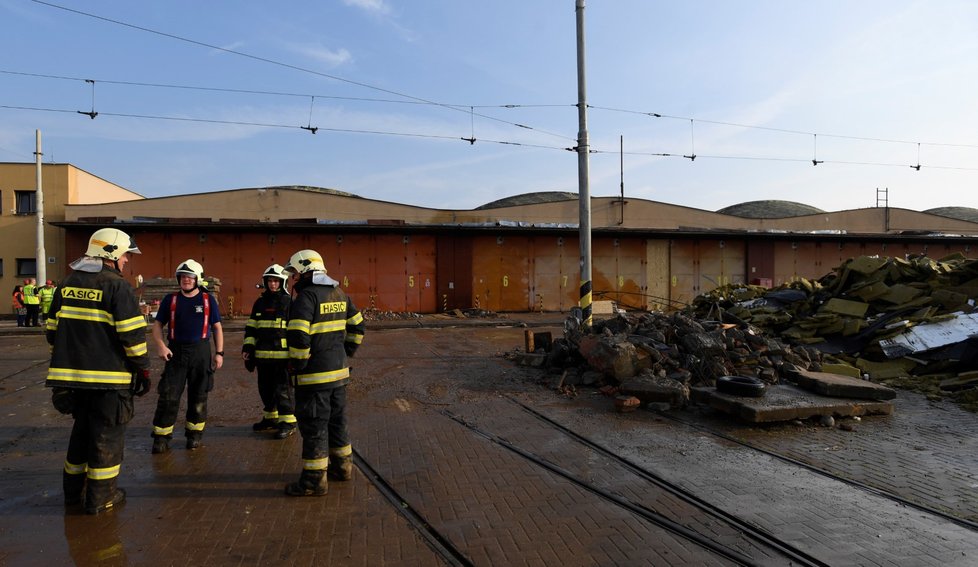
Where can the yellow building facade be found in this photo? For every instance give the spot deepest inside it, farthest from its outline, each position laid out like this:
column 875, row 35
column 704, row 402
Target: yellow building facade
column 61, row 185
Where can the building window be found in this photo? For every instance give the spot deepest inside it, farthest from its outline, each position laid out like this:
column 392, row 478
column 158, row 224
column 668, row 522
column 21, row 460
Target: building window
column 26, row 267
column 26, row 202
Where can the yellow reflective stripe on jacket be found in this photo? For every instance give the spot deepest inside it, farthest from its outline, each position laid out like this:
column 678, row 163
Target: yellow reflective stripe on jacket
column 82, row 314
column 267, row 324
column 89, row 376
column 136, row 350
column 354, row 338
column 299, row 353
column 356, row 319
column 250, row 341
column 130, row 324
column 327, row 327
column 322, row 377
column 103, row 474
column 277, row 354
column 315, row 464
column 52, row 324
column 299, row 325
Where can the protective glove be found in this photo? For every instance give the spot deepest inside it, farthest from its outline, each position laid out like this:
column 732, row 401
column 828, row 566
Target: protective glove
column 141, row 382
column 350, row 349
column 63, row 400
column 250, row 364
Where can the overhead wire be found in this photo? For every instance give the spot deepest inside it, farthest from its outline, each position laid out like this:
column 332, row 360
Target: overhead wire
column 279, row 63
column 470, row 109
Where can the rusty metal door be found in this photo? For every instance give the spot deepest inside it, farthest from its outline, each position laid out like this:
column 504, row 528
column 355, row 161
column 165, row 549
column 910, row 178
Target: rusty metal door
column 721, row 263
column 500, row 273
column 657, row 274
column 454, row 272
column 419, row 266
column 683, row 265
column 555, row 273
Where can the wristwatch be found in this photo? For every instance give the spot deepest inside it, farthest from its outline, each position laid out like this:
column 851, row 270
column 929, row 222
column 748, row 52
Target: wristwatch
column 220, row 352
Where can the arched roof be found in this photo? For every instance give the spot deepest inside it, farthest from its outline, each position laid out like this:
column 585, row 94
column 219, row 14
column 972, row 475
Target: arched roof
column 772, row 209
column 529, row 199
column 960, row 213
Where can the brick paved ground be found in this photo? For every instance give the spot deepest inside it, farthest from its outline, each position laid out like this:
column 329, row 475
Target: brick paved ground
column 223, row 504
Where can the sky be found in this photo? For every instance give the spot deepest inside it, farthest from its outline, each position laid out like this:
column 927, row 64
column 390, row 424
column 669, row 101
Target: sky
column 456, row 103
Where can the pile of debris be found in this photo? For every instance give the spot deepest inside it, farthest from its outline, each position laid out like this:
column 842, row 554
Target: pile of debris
column 657, row 357
column 909, row 323
column 901, row 322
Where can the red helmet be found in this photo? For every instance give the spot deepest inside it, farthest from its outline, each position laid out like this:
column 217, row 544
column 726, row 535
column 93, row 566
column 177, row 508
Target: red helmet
column 49, row 282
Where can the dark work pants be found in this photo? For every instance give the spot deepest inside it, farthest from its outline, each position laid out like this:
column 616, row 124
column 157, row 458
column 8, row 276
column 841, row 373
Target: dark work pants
column 274, row 388
column 322, row 421
column 189, row 368
column 95, row 448
column 33, row 312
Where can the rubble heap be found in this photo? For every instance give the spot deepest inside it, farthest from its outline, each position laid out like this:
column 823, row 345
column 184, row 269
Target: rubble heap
column 658, row 357
column 864, row 300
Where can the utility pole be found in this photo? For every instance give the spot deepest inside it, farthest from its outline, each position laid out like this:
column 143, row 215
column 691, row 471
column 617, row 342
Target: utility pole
column 584, row 192
column 40, row 260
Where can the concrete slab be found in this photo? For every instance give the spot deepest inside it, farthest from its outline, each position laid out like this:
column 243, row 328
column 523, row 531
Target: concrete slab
column 840, row 386
column 784, row 402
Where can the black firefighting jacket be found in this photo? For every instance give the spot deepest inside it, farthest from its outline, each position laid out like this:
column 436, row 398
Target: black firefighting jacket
column 265, row 330
column 97, row 332
column 324, row 327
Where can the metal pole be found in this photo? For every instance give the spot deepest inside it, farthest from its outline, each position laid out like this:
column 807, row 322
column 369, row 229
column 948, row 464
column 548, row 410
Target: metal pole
column 584, row 193
column 41, row 256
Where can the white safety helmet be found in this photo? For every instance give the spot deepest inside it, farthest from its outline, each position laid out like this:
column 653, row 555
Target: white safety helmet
column 275, row 271
column 111, row 243
column 191, row 268
column 305, row 261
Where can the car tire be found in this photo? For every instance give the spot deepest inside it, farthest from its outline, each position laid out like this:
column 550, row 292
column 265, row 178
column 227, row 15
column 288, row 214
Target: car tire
column 741, row 386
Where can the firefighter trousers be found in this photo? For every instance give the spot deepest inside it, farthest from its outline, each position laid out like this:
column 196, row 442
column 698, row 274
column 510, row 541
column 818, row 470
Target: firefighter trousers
column 97, row 442
column 190, row 369
column 322, row 423
column 274, row 388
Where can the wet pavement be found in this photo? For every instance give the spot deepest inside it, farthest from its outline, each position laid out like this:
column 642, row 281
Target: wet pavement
column 465, row 458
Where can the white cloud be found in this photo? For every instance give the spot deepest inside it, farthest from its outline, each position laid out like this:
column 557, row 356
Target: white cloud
column 331, row 57
column 378, row 7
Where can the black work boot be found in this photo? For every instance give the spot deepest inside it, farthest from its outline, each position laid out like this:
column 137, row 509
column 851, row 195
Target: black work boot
column 161, row 444
column 102, row 496
column 340, row 468
column 265, row 424
column 285, row 430
column 311, row 483
column 74, row 487
column 193, row 440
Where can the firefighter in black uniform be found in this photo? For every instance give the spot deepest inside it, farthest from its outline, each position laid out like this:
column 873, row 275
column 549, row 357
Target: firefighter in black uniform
column 324, row 328
column 98, row 360
column 265, row 348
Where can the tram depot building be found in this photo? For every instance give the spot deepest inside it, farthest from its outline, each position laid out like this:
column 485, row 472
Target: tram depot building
column 514, row 255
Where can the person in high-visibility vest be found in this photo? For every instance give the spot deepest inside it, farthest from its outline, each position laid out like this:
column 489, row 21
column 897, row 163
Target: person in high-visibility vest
column 32, row 302
column 46, row 293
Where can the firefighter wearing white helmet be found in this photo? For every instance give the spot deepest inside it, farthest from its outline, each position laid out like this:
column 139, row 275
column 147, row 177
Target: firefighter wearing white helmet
column 111, row 243
column 265, row 348
column 325, row 328
column 191, row 317
column 99, row 361
column 305, row 261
